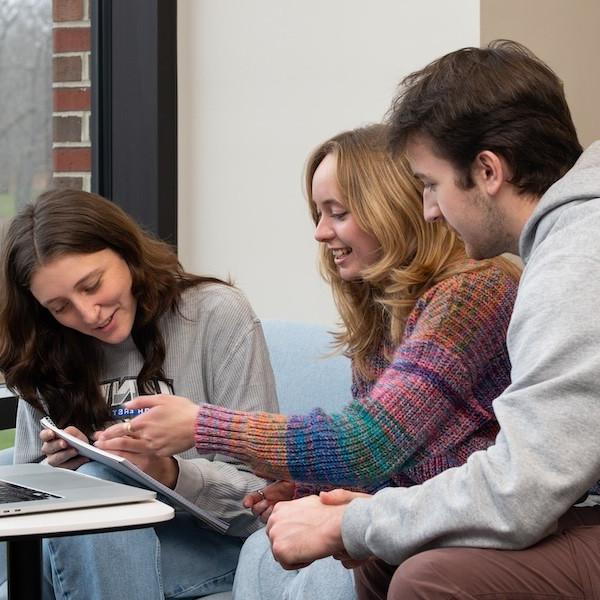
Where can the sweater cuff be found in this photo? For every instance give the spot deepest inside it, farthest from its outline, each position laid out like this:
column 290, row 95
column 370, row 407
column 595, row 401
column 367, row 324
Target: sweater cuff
column 255, row 438
column 355, row 523
column 220, row 430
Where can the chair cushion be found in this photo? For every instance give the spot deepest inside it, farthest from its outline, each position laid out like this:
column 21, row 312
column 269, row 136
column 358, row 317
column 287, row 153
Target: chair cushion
column 304, row 375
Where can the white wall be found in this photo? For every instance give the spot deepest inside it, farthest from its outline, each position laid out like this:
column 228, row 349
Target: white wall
column 261, row 83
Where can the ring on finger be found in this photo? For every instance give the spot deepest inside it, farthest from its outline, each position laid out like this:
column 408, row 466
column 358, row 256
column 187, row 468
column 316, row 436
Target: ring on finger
column 129, row 428
column 261, row 494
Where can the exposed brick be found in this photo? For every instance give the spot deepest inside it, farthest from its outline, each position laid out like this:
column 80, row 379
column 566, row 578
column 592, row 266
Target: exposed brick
column 72, row 39
column 72, row 159
column 66, row 129
column 67, row 10
column 75, row 183
column 72, row 99
column 67, row 68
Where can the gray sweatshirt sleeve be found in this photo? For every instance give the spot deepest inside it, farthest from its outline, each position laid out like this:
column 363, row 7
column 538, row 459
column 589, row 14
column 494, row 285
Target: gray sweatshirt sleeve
column 28, row 446
column 547, row 453
column 238, row 375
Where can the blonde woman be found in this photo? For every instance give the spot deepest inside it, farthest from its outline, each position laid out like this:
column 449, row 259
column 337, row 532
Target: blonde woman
column 425, row 328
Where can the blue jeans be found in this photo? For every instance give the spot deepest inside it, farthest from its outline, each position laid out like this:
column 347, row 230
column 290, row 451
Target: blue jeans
column 176, row 559
column 260, row 577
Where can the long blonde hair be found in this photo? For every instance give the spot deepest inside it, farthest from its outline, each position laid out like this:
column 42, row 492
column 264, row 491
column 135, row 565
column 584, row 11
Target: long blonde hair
column 385, row 199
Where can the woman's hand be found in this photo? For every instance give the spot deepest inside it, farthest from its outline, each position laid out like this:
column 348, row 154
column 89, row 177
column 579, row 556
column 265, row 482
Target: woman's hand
column 58, row 451
column 162, row 468
column 262, row 501
column 167, row 428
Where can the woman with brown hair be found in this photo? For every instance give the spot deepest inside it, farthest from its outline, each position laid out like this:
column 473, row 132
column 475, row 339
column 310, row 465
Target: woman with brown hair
column 94, row 311
column 425, row 328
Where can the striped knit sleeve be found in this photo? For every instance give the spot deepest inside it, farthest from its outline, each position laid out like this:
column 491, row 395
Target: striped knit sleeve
column 424, row 404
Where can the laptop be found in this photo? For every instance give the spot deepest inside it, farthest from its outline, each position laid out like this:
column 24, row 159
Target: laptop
column 31, row 488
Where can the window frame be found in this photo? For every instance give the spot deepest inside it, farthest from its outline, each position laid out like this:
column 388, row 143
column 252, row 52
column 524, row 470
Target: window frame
column 134, row 109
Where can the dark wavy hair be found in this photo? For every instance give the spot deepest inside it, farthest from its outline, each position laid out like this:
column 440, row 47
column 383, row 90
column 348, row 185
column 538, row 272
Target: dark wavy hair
column 500, row 98
column 52, row 367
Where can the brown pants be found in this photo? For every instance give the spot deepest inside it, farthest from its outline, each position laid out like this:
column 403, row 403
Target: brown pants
column 565, row 565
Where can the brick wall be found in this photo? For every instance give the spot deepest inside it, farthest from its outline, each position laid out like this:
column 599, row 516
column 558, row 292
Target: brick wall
column 71, row 148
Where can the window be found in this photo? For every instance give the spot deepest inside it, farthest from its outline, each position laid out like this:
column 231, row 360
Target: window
column 26, row 100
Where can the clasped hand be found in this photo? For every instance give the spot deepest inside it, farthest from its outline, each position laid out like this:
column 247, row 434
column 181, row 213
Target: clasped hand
column 304, row 530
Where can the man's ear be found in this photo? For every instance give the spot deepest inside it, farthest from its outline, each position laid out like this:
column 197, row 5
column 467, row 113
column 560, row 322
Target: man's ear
column 490, row 171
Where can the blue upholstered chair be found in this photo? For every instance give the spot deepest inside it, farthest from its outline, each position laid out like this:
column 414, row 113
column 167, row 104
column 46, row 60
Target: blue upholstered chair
column 6, row 456
column 305, row 376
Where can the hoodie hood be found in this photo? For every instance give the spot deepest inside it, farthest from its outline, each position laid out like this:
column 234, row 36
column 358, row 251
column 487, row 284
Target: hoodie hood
column 580, row 184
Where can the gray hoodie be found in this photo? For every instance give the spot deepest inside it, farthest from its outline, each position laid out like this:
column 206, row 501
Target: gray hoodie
column 547, row 454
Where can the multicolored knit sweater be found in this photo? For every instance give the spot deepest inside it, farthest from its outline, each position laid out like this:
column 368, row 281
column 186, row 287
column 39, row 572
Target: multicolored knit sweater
column 428, row 409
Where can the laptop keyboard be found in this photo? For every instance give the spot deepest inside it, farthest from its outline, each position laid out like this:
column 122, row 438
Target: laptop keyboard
column 11, row 492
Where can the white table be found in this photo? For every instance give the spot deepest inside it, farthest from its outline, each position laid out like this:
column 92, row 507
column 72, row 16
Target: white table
column 24, row 534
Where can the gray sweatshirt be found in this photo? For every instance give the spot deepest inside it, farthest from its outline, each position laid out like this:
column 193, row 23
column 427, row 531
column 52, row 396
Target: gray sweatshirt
column 215, row 353
column 547, row 454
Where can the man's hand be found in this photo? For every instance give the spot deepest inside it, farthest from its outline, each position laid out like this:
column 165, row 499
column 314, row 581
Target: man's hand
column 262, row 501
column 58, row 451
column 166, row 429
column 337, row 498
column 304, row 530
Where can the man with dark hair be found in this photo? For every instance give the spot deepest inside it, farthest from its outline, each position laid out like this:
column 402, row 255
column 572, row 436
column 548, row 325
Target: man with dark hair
column 489, row 133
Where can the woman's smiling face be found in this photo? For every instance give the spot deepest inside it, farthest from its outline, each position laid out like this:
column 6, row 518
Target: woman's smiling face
column 353, row 249
column 90, row 293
